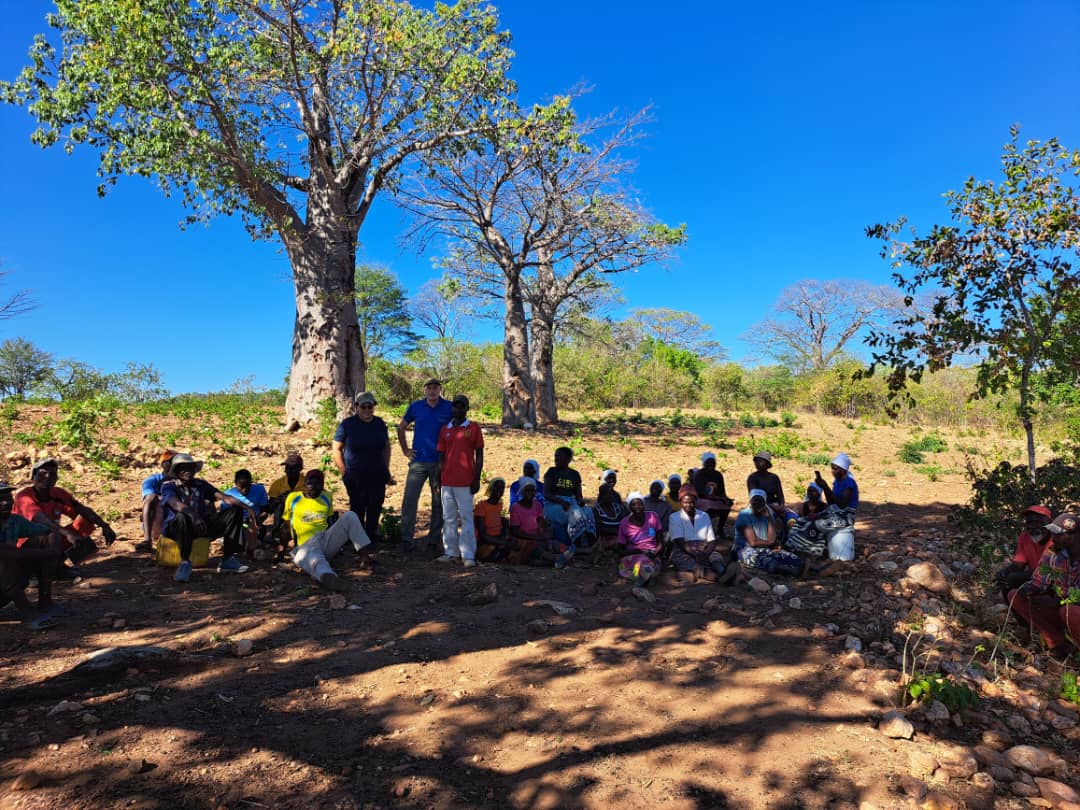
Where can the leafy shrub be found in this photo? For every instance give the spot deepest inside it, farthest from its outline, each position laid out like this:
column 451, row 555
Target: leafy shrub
column 931, row 471
column 911, row 451
column 788, row 418
column 927, row 688
column 1070, row 689
column 326, row 415
column 1002, row 493
column 782, row 445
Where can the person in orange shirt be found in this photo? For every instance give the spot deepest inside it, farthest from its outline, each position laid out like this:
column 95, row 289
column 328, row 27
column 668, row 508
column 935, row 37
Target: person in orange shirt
column 492, row 529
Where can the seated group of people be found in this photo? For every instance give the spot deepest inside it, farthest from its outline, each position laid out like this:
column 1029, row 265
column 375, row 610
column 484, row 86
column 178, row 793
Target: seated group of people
column 682, row 526
column 1041, row 583
column 548, row 522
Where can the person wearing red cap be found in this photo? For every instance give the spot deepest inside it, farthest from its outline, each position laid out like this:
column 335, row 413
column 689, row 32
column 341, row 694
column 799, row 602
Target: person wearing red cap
column 1030, row 546
column 1050, row 600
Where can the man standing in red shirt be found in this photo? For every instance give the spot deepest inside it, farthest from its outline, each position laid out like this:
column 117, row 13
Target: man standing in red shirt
column 45, row 503
column 461, row 459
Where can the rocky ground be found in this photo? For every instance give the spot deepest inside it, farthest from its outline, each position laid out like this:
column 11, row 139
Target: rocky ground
column 433, row 686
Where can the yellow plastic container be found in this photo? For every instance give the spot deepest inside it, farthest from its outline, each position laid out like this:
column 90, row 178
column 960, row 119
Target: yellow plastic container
column 168, row 552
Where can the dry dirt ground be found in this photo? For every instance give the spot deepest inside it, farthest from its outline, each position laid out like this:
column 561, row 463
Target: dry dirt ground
column 408, row 696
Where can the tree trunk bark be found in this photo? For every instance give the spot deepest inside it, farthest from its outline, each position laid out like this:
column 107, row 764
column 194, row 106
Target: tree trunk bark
column 1025, row 415
column 542, row 366
column 327, row 359
column 517, row 405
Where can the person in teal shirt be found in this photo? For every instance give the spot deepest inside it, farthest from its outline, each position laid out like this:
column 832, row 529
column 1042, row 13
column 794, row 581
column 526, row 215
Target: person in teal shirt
column 27, row 550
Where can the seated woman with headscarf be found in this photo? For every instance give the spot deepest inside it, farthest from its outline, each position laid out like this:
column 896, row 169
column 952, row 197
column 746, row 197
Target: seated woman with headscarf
column 609, row 513
column 639, row 542
column 530, row 469
column 712, row 497
column 694, row 552
column 843, row 499
column 756, row 543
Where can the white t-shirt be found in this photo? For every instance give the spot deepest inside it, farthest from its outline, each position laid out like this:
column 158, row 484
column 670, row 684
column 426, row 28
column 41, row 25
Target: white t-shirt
column 698, row 530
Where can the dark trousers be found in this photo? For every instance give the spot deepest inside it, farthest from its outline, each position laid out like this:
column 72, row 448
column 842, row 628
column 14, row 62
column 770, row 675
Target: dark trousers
column 228, row 525
column 366, row 496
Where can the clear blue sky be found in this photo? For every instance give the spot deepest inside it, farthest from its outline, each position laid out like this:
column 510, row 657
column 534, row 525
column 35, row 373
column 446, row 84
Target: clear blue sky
column 780, row 133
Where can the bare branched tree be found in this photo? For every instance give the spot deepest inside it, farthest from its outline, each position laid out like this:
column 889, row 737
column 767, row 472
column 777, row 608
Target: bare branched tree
column 816, row 321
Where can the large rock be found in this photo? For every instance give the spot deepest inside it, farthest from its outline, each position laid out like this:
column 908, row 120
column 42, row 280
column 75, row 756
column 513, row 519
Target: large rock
column 895, row 725
column 936, row 712
column 759, row 585
column 929, row 576
column 1028, row 758
column 1057, row 793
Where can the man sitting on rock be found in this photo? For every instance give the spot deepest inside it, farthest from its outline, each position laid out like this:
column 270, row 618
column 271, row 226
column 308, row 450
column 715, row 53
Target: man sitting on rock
column 27, row 550
column 188, row 503
column 1050, row 600
column 309, row 514
column 151, row 503
column 45, row 503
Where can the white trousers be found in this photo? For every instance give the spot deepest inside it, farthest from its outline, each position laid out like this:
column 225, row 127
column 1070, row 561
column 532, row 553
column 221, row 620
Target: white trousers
column 457, row 506
column 314, row 556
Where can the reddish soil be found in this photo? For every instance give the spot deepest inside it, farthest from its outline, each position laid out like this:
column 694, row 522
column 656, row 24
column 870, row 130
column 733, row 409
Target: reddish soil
column 409, row 697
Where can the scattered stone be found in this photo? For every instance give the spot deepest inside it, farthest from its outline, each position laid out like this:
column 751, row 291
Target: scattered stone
column 1002, row 774
column 243, row 647
column 537, row 627
column 1030, row 759
column 795, row 603
column 561, row 608
column 853, row 643
column 485, row 596
column 983, row 781
column 644, row 594
column 1057, row 792
column 937, row 712
column 940, row 801
column 337, row 601
column 959, row 765
column 27, row 780
column 89, row 719
column 893, row 724
column 137, row 766
column 820, row 632
column 853, row 660
column 929, row 576
column 65, row 706
column 997, row 739
column 119, row 624
column 915, row 788
column 781, row 590
column 758, row 585
column 922, row 763
column 1024, row 790
column 712, row 603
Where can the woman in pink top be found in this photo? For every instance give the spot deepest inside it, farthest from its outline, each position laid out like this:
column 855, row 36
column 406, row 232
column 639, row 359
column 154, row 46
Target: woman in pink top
column 528, row 529
column 638, row 542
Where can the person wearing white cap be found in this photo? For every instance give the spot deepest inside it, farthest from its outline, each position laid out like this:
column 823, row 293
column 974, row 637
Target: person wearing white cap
column 531, row 470
column 844, row 492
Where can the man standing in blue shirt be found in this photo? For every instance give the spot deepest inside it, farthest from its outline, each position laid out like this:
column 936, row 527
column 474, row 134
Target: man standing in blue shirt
column 427, row 416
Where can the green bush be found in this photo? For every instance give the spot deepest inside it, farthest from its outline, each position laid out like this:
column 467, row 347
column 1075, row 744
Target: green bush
column 782, row 445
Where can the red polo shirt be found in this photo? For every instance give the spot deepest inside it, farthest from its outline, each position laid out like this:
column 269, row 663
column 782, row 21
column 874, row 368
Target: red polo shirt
column 458, row 444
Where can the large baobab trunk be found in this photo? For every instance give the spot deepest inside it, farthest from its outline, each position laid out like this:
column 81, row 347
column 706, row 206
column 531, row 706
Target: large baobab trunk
column 517, row 382
column 327, row 359
column 542, row 353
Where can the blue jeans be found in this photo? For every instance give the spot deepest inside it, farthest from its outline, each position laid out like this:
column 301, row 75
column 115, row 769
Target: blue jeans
column 419, row 473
